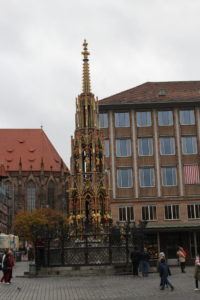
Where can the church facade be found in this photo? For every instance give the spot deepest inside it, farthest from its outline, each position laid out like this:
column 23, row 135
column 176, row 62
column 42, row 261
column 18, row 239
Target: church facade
column 37, row 177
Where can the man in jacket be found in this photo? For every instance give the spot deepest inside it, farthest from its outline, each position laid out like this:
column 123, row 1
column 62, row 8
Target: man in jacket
column 7, row 267
column 135, row 258
column 164, row 272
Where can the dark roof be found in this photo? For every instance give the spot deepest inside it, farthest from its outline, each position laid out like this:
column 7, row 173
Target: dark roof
column 29, row 147
column 155, row 92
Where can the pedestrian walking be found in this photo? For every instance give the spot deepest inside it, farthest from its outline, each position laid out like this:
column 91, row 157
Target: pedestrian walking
column 181, row 253
column 164, row 273
column 7, row 268
column 12, row 263
column 145, row 257
column 2, row 265
column 135, row 258
column 197, row 273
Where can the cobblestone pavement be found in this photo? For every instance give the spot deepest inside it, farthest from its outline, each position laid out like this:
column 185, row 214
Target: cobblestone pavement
column 124, row 287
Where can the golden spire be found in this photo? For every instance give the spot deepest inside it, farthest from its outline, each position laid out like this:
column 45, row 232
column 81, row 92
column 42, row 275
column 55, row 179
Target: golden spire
column 86, row 71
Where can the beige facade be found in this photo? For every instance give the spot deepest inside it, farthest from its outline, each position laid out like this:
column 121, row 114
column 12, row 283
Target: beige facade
column 153, row 163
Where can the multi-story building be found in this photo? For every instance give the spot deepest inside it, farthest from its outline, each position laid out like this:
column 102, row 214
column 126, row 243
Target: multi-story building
column 37, row 177
column 152, row 147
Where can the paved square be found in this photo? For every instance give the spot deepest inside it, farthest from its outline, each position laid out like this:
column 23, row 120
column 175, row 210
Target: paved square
column 124, row 287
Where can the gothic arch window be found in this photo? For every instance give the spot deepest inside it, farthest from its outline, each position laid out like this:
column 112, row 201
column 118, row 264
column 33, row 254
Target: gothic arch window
column 51, row 194
column 31, row 195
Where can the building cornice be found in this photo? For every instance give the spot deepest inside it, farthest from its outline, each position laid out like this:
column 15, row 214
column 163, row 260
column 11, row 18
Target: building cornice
column 139, row 105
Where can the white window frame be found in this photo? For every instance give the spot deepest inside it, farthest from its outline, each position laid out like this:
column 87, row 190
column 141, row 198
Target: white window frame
column 165, row 138
column 172, row 212
column 138, row 118
column 160, row 119
column 126, row 208
column 149, row 213
column 162, row 170
column 126, row 115
column 153, row 173
column 182, row 143
column 150, row 146
column 194, row 205
column 104, row 121
column 128, row 147
column 130, row 179
column 182, row 121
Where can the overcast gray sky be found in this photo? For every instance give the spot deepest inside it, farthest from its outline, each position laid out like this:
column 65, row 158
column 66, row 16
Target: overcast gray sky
column 131, row 42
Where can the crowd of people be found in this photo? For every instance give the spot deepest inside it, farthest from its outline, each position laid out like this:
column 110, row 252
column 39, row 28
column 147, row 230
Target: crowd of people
column 140, row 259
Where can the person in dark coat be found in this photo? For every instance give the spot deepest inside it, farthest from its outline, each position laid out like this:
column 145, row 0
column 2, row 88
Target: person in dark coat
column 164, row 273
column 135, row 258
column 7, row 267
column 145, row 257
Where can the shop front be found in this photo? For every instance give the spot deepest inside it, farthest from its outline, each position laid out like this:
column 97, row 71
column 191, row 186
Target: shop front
column 168, row 239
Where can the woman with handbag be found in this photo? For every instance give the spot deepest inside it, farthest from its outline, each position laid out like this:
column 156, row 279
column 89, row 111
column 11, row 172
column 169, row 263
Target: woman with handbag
column 181, row 258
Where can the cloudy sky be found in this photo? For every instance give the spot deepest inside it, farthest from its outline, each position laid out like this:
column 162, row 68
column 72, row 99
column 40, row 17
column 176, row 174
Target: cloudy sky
column 131, row 42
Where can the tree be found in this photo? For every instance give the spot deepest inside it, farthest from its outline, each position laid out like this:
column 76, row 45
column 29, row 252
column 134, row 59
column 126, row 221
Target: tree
column 29, row 224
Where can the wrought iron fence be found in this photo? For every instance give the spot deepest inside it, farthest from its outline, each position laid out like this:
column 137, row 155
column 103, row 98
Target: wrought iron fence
column 66, row 249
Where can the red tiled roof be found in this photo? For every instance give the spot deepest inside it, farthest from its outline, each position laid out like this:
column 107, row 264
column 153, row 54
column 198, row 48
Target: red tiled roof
column 31, row 146
column 175, row 91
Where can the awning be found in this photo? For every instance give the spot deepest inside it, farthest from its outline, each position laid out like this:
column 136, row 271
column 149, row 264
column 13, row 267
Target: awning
column 173, row 227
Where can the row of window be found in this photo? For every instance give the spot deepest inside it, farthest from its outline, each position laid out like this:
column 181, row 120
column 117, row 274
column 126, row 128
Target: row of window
column 144, row 118
column 31, row 194
column 149, row 212
column 145, row 146
column 147, row 176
